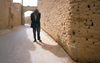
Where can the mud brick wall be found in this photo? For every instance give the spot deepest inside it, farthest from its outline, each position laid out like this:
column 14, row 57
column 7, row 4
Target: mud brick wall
column 75, row 25
column 10, row 16
column 16, row 15
column 4, row 12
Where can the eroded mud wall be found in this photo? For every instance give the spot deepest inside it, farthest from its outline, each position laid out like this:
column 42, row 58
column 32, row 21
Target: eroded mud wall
column 75, row 25
column 10, row 15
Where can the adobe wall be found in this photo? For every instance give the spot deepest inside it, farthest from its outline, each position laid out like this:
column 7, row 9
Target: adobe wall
column 4, row 12
column 9, row 15
column 75, row 25
column 16, row 11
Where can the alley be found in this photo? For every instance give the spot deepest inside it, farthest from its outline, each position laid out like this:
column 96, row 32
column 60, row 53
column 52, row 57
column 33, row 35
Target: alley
column 17, row 46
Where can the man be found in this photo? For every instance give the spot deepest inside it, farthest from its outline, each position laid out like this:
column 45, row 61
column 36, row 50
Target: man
column 35, row 24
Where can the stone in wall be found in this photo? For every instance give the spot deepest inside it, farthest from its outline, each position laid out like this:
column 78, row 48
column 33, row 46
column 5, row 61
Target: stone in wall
column 75, row 25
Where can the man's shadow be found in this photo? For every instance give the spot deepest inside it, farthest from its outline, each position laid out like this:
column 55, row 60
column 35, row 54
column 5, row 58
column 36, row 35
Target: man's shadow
column 55, row 49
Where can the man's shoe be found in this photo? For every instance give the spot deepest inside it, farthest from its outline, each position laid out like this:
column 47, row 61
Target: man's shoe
column 34, row 41
column 40, row 40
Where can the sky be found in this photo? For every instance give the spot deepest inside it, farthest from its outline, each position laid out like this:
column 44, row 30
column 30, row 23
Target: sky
column 28, row 13
column 27, row 3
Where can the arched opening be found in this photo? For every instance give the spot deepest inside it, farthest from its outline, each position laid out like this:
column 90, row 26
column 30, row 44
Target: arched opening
column 27, row 15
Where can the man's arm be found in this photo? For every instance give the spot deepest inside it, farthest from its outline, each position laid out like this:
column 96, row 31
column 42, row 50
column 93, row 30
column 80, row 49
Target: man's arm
column 39, row 16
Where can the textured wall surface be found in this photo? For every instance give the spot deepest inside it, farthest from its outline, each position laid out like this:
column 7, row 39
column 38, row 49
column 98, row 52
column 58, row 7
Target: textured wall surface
column 10, row 16
column 75, row 25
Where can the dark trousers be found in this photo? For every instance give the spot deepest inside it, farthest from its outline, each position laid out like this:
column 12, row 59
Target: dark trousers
column 36, row 28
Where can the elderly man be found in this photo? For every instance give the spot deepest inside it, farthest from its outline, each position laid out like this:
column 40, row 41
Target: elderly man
column 35, row 24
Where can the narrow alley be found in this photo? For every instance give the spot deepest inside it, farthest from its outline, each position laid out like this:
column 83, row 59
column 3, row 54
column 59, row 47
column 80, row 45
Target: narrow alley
column 73, row 24
column 17, row 46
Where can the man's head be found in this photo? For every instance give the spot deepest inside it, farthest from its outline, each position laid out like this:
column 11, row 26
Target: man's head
column 36, row 11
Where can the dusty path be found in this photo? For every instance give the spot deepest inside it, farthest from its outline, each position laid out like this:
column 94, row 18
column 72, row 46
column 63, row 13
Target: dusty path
column 17, row 46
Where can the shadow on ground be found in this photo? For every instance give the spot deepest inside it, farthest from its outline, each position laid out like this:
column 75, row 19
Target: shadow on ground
column 54, row 49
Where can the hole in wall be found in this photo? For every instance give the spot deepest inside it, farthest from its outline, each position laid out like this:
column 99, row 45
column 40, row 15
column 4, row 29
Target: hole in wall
column 77, row 9
column 87, row 14
column 86, row 20
column 64, row 23
column 91, row 20
column 74, row 42
column 70, row 13
column 86, row 39
column 87, row 31
column 92, row 24
column 79, row 21
column 76, row 60
column 99, row 39
column 91, row 36
column 94, row 5
column 93, row 42
column 87, row 46
column 64, row 28
column 64, row 33
column 11, row 26
column 98, row 9
column 78, row 6
column 61, row 24
column 73, row 32
column 88, row 6
column 88, row 27
column 85, row 24
column 78, row 30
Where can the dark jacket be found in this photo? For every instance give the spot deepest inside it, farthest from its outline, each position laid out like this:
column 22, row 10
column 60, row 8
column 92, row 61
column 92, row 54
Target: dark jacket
column 37, row 22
